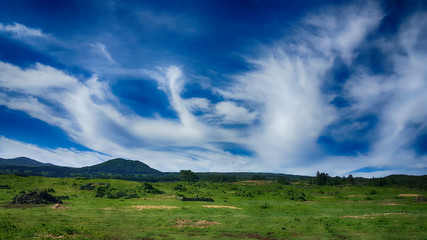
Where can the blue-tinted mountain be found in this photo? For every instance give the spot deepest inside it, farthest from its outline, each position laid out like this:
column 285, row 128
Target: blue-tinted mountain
column 22, row 161
column 121, row 166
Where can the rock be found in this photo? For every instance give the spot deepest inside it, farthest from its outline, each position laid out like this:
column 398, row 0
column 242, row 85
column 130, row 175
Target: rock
column 201, row 199
column 420, row 199
column 36, row 197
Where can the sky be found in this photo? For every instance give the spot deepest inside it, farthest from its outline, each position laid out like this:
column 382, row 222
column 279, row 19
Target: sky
column 227, row 86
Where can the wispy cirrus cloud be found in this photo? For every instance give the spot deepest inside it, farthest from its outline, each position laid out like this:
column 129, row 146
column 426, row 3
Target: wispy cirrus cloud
column 21, row 31
column 60, row 156
column 89, row 113
column 101, row 50
column 275, row 111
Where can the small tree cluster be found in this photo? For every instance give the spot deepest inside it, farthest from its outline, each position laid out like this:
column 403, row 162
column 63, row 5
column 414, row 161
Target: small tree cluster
column 188, row 176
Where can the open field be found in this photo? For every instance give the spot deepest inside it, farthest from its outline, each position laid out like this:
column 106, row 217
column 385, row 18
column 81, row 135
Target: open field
column 243, row 210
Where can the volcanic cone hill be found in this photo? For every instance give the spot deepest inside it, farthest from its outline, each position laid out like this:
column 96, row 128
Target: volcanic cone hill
column 121, row 166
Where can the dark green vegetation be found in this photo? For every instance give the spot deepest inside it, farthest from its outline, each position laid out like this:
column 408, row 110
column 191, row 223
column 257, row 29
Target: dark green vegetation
column 253, row 209
column 22, row 161
column 137, row 171
column 121, row 166
column 123, row 169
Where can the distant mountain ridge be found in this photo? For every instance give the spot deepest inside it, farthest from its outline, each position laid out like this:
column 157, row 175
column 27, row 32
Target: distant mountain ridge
column 122, row 166
column 22, row 161
column 114, row 166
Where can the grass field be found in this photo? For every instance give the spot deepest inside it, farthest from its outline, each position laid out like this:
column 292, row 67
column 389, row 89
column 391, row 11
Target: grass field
column 242, row 210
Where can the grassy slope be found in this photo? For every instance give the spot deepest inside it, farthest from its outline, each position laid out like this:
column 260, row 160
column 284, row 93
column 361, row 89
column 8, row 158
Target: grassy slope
column 268, row 214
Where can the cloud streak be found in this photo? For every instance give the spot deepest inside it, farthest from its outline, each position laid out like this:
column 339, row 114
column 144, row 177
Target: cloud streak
column 21, row 31
column 101, row 50
column 275, row 112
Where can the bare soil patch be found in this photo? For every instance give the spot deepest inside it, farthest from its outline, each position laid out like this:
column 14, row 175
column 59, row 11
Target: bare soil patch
column 197, row 224
column 408, row 195
column 153, row 207
column 370, row 216
column 109, row 208
column 51, row 236
column 219, row 206
column 357, row 195
column 257, row 182
column 389, row 204
column 359, row 201
column 58, row 206
column 250, row 236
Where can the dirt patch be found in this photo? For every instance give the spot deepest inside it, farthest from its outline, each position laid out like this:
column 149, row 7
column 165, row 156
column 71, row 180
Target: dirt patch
column 389, row 204
column 371, row 216
column 153, row 207
column 357, row 195
column 408, row 195
column 197, row 224
column 109, row 208
column 256, row 182
column 50, row 236
column 58, row 206
column 250, row 235
column 324, row 197
column 359, row 201
column 219, row 206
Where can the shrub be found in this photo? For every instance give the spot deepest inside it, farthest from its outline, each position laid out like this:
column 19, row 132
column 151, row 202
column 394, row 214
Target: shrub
column 180, row 187
column 283, row 181
column 148, row 188
column 115, row 193
column 101, row 191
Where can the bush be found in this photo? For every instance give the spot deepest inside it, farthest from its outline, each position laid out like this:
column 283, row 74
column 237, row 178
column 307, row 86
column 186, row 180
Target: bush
column 148, row 188
column 101, row 191
column 373, row 192
column 180, row 187
column 115, row 193
column 258, row 178
column 297, row 196
column 283, row 181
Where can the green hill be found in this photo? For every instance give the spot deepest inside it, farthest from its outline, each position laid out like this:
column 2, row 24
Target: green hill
column 22, row 161
column 121, row 166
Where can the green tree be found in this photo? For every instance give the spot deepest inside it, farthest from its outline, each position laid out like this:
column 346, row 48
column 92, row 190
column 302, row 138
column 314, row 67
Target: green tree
column 351, row 180
column 283, row 181
column 321, row 178
column 188, row 176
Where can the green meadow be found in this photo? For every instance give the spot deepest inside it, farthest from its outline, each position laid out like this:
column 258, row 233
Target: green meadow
column 266, row 210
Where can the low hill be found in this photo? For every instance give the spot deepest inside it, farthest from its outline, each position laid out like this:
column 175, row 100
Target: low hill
column 22, row 161
column 121, row 166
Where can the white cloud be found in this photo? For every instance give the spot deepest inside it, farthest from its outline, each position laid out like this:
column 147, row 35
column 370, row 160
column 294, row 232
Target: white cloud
column 234, row 114
column 89, row 113
column 60, row 156
column 21, row 31
column 33, row 80
column 397, row 99
column 341, row 29
column 280, row 100
column 294, row 110
column 197, row 104
column 101, row 50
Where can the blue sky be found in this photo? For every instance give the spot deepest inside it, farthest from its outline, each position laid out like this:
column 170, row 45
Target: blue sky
column 266, row 86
